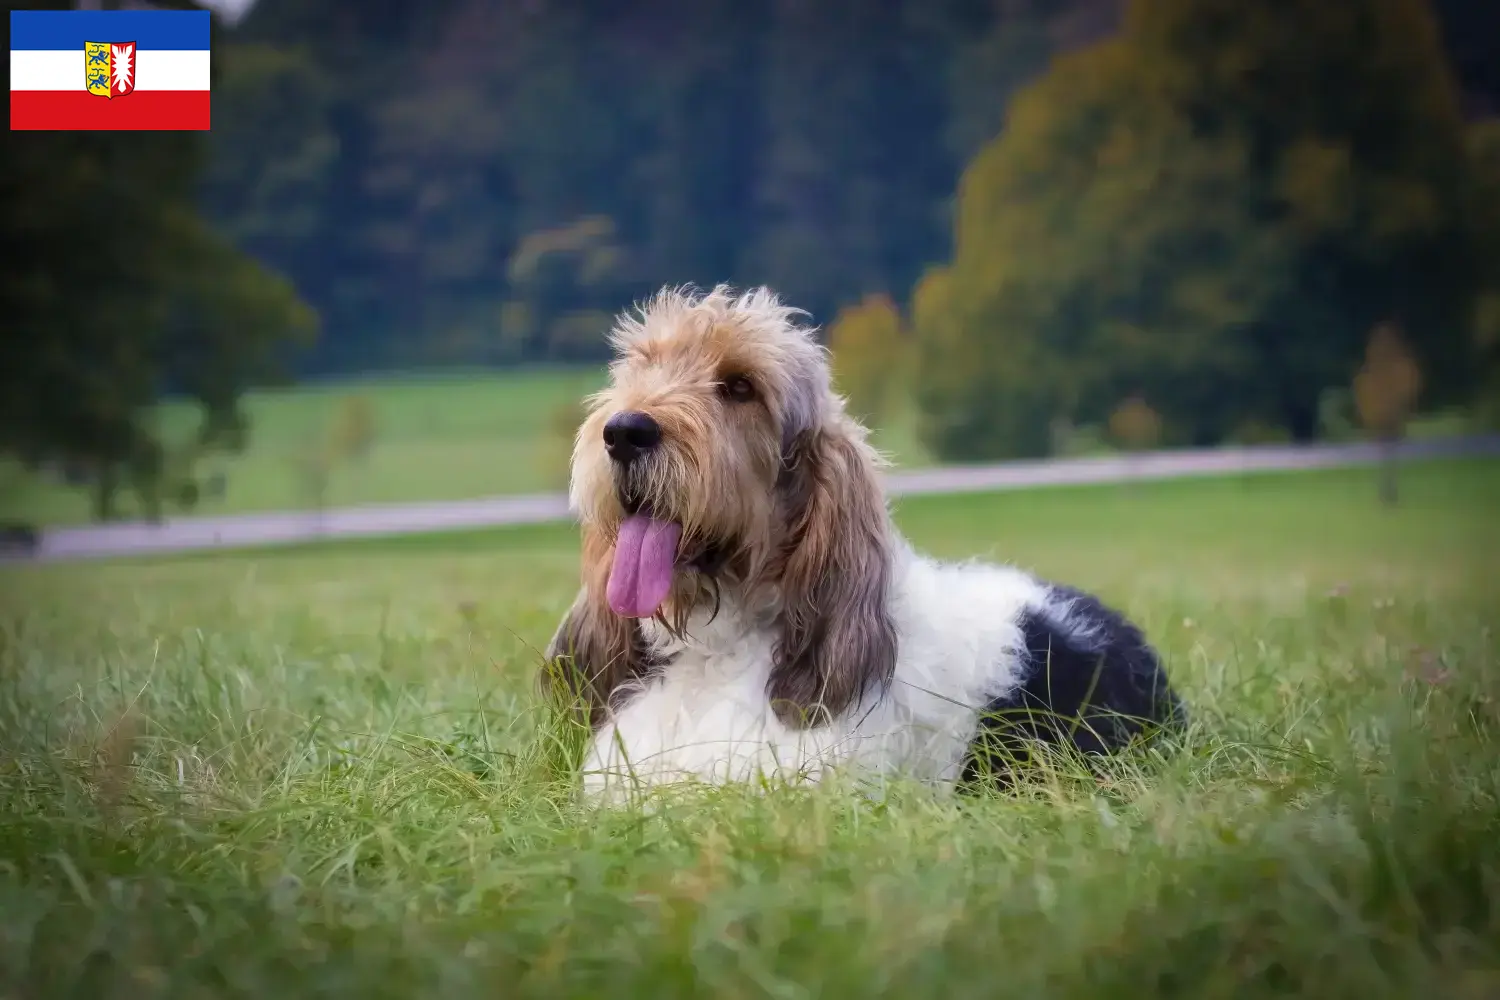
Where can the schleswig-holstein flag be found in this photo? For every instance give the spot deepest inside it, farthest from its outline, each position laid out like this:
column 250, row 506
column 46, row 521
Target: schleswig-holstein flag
column 115, row 69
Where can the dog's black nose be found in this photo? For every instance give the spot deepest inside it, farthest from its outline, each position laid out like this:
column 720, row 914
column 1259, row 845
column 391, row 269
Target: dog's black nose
column 629, row 435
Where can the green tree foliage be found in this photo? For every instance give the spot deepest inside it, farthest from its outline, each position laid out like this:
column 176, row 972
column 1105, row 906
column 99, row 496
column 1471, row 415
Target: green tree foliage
column 997, row 48
column 116, row 292
column 1210, row 208
column 393, row 159
column 1484, row 214
column 973, row 391
column 854, row 163
column 870, row 357
column 1470, row 31
column 321, row 167
column 566, row 280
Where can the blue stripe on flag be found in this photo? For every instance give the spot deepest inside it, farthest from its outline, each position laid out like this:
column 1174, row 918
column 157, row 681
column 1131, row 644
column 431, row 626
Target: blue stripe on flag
column 55, row 30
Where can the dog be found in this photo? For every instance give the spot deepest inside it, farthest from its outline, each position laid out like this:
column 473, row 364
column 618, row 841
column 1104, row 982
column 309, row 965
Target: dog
column 749, row 612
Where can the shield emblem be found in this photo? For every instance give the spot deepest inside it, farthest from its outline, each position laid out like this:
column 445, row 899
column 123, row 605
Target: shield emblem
column 109, row 68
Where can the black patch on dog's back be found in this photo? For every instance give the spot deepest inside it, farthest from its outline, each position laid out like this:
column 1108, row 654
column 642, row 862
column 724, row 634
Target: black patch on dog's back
column 1090, row 680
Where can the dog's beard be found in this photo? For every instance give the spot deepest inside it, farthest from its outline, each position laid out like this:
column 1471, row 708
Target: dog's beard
column 668, row 564
column 646, row 551
column 656, row 560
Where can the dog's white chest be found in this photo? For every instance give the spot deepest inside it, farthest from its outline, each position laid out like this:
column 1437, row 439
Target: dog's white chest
column 707, row 718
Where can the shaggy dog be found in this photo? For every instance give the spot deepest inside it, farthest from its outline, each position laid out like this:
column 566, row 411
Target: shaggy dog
column 749, row 612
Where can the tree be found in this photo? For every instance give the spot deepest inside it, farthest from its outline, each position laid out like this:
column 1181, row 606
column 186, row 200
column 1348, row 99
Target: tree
column 1472, row 33
column 1211, row 208
column 1134, row 425
column 555, row 447
column 978, row 397
column 342, row 441
column 391, row 157
column 1385, row 390
column 1484, row 214
column 998, row 47
column 334, row 148
column 354, row 429
column 118, row 293
column 870, row 356
column 563, row 278
column 854, row 162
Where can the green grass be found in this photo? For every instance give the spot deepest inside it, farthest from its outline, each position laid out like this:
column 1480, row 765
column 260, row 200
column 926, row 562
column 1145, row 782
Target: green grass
column 321, row 772
column 438, row 438
column 452, row 437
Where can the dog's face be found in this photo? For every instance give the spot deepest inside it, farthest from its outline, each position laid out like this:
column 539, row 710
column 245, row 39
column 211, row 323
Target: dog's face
column 718, row 457
column 677, row 465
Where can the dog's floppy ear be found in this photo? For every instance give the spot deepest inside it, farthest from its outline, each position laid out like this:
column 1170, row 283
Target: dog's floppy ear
column 837, row 638
column 594, row 650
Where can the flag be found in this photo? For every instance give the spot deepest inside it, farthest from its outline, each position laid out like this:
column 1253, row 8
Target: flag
column 114, row 69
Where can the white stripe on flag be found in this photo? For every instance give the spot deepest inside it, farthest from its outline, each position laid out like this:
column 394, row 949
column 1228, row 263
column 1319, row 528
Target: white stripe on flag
column 156, row 69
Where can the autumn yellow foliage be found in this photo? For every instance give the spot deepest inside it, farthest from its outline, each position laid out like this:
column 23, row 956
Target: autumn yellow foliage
column 1385, row 390
column 353, row 432
column 870, row 356
column 1134, row 425
column 1387, row 385
column 555, row 447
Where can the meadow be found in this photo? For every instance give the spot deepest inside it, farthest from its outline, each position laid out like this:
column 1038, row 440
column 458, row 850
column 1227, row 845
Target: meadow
column 323, row 772
column 436, row 436
column 451, row 436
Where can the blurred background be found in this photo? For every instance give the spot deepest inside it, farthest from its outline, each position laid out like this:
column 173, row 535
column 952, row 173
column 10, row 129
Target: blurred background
column 1027, row 228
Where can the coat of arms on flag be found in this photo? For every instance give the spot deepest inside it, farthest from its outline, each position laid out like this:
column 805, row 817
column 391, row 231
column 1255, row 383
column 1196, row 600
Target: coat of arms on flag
column 109, row 68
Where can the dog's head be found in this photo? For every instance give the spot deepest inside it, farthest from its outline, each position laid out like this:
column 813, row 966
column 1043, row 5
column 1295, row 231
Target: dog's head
column 718, row 462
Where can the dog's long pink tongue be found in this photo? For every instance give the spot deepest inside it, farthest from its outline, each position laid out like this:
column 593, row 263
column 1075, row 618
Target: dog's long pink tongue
column 642, row 574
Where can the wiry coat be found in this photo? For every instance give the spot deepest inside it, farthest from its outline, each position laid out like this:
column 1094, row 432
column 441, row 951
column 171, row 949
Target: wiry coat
column 800, row 631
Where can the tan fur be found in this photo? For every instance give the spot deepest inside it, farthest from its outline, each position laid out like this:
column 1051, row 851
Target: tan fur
column 784, row 485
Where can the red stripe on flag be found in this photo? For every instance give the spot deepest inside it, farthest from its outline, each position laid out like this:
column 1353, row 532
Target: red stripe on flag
column 78, row 110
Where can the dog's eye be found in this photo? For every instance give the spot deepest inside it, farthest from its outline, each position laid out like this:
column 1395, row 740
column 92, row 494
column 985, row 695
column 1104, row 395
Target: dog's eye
column 737, row 388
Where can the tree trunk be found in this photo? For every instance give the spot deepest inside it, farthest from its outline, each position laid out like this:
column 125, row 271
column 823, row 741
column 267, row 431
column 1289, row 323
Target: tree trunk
column 1388, row 472
column 150, row 495
column 1301, row 420
column 106, row 487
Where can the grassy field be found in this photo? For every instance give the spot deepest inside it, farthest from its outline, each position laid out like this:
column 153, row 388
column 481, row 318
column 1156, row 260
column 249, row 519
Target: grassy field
column 321, row 772
column 437, row 438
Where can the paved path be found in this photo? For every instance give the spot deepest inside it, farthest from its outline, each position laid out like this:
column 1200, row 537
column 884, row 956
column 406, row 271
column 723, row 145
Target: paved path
column 290, row 528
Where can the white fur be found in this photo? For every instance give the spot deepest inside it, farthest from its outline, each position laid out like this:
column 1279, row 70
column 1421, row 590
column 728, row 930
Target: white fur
column 706, row 716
